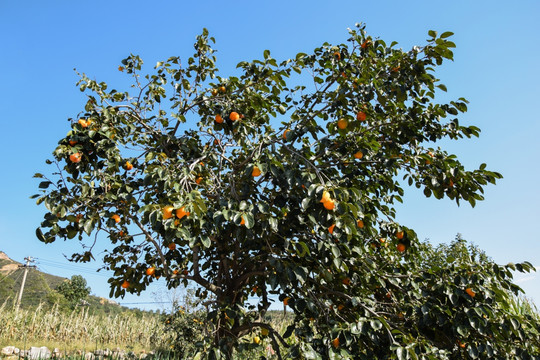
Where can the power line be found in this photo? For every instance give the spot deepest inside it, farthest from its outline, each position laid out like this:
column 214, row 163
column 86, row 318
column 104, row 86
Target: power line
column 82, row 271
column 6, row 276
column 145, row 303
column 59, row 265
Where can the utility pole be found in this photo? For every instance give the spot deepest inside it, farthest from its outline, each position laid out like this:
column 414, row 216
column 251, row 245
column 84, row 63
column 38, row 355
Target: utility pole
column 26, row 267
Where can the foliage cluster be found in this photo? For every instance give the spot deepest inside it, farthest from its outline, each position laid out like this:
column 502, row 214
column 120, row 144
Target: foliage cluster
column 74, row 290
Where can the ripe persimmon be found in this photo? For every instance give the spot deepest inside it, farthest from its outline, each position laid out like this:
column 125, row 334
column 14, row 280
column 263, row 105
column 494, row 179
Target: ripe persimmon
column 222, row 89
column 342, row 123
column 167, row 212
column 83, row 123
column 346, row 281
column 172, row 246
column 470, row 292
column 214, row 92
column 180, row 213
column 335, row 343
column 151, row 271
column 337, row 55
column 219, row 119
column 331, row 228
column 125, row 284
column 198, row 180
column 365, row 44
column 72, row 142
column 325, row 197
column 116, row 218
column 234, row 116
column 360, row 223
column 329, row 205
column 286, row 301
column 128, row 165
column 75, row 158
column 361, row 116
column 285, row 133
column 401, row 247
column 400, row 235
column 358, row 154
column 256, row 171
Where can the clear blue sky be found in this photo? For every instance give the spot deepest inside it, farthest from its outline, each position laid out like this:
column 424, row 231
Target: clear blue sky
column 496, row 68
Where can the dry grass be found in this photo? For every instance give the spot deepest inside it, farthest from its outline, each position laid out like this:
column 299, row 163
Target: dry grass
column 78, row 330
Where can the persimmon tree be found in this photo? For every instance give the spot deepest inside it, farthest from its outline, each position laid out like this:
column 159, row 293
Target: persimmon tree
column 258, row 190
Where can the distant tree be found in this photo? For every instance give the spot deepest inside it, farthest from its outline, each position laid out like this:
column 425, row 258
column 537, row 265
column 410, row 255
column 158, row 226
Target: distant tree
column 74, row 290
column 261, row 186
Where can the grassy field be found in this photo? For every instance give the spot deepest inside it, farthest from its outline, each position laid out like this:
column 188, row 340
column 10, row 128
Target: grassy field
column 78, row 330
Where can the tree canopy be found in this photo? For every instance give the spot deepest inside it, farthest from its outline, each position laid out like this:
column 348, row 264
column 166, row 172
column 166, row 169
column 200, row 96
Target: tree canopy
column 279, row 183
column 74, row 290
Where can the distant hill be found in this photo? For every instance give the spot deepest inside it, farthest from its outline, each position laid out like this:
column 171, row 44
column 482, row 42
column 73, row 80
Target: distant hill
column 40, row 288
column 38, row 284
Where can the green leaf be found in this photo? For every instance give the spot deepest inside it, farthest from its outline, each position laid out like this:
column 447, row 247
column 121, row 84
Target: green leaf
column 472, row 351
column 40, row 235
column 289, row 331
column 335, row 251
column 446, row 34
column 44, row 184
column 263, row 207
column 273, row 224
column 250, row 221
column 243, row 205
column 401, row 353
column 442, row 87
column 305, row 203
column 88, row 226
column 376, row 324
column 206, row 242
